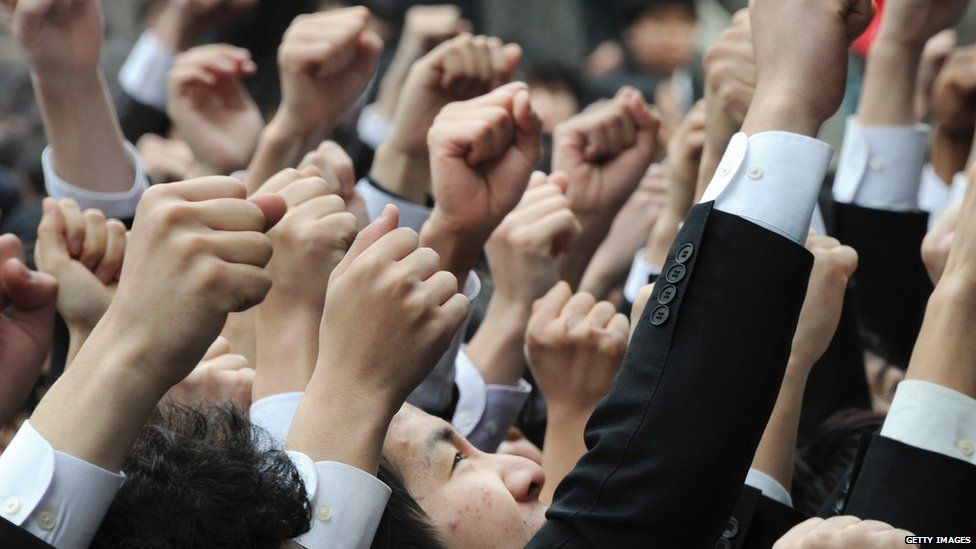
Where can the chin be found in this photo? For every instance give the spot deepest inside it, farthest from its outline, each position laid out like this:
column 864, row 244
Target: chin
column 534, row 515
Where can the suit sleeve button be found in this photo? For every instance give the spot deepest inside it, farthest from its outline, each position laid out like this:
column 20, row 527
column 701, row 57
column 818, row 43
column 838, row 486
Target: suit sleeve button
column 684, row 253
column 676, row 274
column 660, row 315
column 731, row 529
column 667, row 294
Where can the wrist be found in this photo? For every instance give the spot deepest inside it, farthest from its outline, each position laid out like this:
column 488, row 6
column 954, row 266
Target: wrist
column 76, row 86
column 780, row 110
column 173, row 29
column 457, row 245
column 405, row 174
column 572, row 414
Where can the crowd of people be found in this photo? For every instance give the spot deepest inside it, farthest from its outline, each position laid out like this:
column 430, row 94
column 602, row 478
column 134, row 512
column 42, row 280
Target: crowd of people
column 633, row 308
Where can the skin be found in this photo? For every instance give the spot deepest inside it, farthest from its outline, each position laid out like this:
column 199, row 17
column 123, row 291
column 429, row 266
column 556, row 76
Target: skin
column 473, row 499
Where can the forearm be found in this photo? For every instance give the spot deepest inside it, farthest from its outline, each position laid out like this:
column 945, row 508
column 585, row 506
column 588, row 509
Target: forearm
column 287, row 348
column 392, row 84
column 97, row 409
column 950, row 153
column 337, row 422
column 774, row 455
column 280, row 146
column 458, row 250
column 574, row 264
column 80, row 124
column 76, row 339
column 240, row 331
column 945, row 351
column 563, row 446
column 497, row 346
column 662, row 236
column 402, row 174
column 889, row 84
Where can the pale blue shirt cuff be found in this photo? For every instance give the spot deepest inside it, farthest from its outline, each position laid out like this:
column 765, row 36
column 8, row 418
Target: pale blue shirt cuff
column 371, row 127
column 56, row 497
column 121, row 205
column 931, row 417
column 769, row 487
column 485, row 412
column 772, row 179
column 880, row 167
column 640, row 273
column 411, row 215
column 143, row 75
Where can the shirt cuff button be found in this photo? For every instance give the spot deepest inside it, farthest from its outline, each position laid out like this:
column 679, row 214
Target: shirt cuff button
column 966, row 447
column 323, row 513
column 46, row 520
column 11, row 506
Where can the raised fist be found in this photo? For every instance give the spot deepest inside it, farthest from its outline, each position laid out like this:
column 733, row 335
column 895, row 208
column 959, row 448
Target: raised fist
column 801, row 49
column 210, row 107
column 87, row 273
column 952, row 94
column 326, row 60
column 459, row 69
column 334, row 164
column 730, row 79
column 196, row 253
column 390, row 313
column 59, row 38
column 843, row 532
column 605, row 152
column 219, row 378
column 482, row 153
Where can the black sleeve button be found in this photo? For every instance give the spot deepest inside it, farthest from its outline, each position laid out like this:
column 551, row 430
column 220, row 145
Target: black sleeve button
column 676, row 274
column 723, row 543
column 684, row 253
column 667, row 294
column 660, row 315
column 731, row 529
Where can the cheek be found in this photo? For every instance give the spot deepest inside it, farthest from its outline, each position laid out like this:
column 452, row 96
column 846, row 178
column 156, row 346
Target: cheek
column 479, row 517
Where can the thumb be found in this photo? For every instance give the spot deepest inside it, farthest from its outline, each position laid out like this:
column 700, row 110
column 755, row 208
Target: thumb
column 513, row 55
column 528, row 136
column 34, row 298
column 273, row 206
column 388, row 220
column 51, row 251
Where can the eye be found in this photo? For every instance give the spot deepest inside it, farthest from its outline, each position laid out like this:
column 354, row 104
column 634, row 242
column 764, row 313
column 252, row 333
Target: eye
column 458, row 458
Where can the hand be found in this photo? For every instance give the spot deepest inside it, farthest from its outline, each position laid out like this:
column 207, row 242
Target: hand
column 182, row 22
column 326, row 60
column 952, row 105
column 833, row 266
column 25, row 335
column 83, row 251
column 934, row 56
column 309, row 241
column 196, row 253
column 684, row 158
column 164, row 160
column 843, row 532
column 960, row 266
column 938, row 242
column 220, row 377
column 913, row 22
column 482, row 153
column 427, row 26
column 730, row 80
column 333, row 162
column 460, row 69
column 390, row 314
column 605, row 152
column 574, row 346
column 59, row 38
column 800, row 86
column 523, row 250
column 210, row 107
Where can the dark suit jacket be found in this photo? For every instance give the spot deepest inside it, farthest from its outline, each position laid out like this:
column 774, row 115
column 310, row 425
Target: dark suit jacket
column 757, row 522
column 670, row 446
column 923, row 492
column 13, row 537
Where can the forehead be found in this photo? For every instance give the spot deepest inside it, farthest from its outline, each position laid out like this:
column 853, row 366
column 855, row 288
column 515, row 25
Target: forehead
column 408, row 442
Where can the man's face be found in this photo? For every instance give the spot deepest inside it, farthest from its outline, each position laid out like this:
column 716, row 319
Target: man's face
column 664, row 40
column 473, row 499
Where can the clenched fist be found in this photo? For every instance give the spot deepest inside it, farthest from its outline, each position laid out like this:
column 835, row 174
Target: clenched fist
column 59, row 38
column 843, row 532
column 196, row 253
column 482, row 153
column 326, row 59
column 210, row 107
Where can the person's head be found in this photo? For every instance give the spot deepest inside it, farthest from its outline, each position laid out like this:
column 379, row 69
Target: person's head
column 659, row 33
column 201, row 478
column 466, row 496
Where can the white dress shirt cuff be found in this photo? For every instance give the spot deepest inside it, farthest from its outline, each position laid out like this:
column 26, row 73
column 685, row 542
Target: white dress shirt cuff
column 411, row 215
column 769, row 487
column 772, row 179
column 371, row 127
column 347, row 504
column 933, row 418
column 274, row 414
column 640, row 273
column 880, row 167
column 143, row 76
column 56, row 497
column 121, row 205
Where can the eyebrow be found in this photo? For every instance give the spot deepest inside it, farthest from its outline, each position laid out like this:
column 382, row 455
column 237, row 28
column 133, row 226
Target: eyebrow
column 442, row 434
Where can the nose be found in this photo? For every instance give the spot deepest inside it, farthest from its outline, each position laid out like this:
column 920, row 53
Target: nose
column 523, row 477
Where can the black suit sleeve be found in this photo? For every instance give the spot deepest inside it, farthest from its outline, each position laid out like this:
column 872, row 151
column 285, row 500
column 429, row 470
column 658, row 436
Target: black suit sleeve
column 926, row 493
column 137, row 119
column 670, row 446
column 758, row 521
column 13, row 536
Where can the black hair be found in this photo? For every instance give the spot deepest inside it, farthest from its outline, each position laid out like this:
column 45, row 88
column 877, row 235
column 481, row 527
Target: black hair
column 823, row 463
column 404, row 524
column 629, row 11
column 199, row 478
